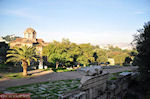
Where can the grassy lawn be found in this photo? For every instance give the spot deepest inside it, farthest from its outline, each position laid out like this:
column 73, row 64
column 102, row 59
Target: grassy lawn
column 19, row 75
column 46, row 90
column 5, row 74
column 60, row 69
column 13, row 75
column 114, row 76
column 65, row 70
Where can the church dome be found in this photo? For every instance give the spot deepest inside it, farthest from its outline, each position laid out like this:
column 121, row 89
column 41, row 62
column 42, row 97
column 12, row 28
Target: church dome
column 29, row 30
column 30, row 33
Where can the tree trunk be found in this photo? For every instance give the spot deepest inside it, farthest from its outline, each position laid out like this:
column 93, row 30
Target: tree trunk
column 84, row 65
column 24, row 65
column 57, row 64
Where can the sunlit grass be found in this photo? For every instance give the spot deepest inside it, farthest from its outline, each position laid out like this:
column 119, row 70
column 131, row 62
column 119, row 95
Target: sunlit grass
column 59, row 69
column 14, row 75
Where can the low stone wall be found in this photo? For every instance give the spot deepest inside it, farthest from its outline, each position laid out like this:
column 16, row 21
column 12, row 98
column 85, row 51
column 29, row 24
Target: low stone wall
column 99, row 87
column 116, row 89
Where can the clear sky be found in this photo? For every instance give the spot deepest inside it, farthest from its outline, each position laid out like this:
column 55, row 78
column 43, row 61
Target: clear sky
column 82, row 21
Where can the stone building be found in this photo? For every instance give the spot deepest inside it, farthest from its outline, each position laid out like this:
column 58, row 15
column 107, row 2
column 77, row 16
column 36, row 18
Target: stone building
column 30, row 40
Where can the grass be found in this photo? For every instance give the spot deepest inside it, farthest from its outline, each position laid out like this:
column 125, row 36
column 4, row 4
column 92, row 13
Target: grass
column 115, row 74
column 113, row 78
column 13, row 75
column 65, row 70
column 19, row 75
column 60, row 69
column 49, row 90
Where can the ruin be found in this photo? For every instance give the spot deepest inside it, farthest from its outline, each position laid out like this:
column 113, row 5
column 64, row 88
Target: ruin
column 98, row 86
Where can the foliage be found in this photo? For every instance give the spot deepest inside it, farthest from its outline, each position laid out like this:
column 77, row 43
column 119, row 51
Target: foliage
column 86, row 56
column 3, row 51
column 113, row 78
column 66, row 53
column 142, row 42
column 10, row 38
column 23, row 54
column 118, row 54
column 102, row 56
column 127, row 61
column 57, row 52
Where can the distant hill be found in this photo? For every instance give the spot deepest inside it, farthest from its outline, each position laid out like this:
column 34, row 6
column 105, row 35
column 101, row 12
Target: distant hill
column 9, row 38
column 121, row 45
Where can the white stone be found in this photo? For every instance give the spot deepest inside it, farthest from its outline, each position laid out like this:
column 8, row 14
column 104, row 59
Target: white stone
column 40, row 64
column 84, row 79
column 69, row 68
column 42, row 88
column 45, row 67
column 90, row 71
column 125, row 73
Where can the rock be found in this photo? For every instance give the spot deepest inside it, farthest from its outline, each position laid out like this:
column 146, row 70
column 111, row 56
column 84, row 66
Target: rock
column 84, row 79
column 125, row 73
column 45, row 67
column 42, row 88
column 91, row 71
column 112, row 87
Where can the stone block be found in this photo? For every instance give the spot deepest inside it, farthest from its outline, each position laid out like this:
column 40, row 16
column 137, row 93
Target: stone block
column 110, row 94
column 45, row 67
column 125, row 86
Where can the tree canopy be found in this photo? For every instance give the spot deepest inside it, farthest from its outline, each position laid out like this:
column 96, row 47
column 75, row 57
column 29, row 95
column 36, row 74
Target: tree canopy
column 68, row 54
column 10, row 37
column 142, row 42
column 23, row 54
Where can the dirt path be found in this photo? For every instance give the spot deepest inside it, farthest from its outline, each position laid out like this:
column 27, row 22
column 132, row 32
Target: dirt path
column 43, row 76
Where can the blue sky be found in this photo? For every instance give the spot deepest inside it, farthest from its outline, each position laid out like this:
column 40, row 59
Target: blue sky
column 82, row 21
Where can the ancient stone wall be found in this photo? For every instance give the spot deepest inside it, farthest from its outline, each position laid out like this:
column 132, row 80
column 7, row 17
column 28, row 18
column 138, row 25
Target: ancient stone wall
column 99, row 87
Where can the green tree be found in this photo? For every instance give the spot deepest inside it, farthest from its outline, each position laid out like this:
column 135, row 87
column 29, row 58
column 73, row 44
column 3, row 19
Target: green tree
column 59, row 52
column 23, row 54
column 10, row 37
column 3, row 51
column 120, row 58
column 127, row 60
column 87, row 51
column 102, row 56
column 142, row 42
column 74, row 52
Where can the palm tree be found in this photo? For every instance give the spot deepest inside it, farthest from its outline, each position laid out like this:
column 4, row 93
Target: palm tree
column 23, row 54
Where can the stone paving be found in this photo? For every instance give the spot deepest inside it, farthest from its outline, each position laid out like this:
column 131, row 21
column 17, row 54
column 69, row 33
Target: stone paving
column 46, row 90
column 53, row 76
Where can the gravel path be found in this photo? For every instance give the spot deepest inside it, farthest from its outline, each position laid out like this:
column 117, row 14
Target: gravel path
column 43, row 76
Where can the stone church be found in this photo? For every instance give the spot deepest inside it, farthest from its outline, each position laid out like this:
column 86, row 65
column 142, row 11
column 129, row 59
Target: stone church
column 28, row 40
